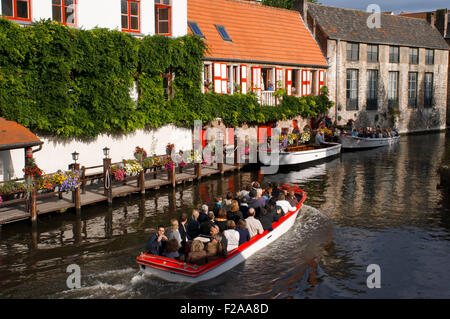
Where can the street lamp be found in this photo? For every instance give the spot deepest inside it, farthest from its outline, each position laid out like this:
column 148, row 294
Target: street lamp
column 106, row 152
column 75, row 156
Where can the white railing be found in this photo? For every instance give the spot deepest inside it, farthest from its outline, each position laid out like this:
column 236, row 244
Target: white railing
column 267, row 98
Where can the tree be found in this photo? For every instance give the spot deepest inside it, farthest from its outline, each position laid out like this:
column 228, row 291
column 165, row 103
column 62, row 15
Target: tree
column 286, row 4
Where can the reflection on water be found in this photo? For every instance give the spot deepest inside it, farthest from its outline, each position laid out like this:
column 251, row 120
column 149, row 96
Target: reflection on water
column 370, row 207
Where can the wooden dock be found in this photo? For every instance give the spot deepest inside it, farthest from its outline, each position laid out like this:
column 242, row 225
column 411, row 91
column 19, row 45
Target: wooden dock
column 93, row 190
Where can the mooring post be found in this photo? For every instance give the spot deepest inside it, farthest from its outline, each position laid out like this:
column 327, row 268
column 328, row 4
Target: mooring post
column 83, row 179
column 141, row 182
column 76, row 197
column 171, row 176
column 236, row 155
column 33, row 208
column 107, row 179
column 198, row 171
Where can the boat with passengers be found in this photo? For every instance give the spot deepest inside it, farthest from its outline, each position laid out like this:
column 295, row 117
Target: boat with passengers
column 178, row 271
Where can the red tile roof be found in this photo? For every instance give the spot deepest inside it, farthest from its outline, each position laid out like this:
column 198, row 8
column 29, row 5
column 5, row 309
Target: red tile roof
column 14, row 135
column 258, row 33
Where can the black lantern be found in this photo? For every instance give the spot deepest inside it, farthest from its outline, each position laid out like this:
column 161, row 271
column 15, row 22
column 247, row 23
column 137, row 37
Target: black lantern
column 106, row 152
column 75, row 156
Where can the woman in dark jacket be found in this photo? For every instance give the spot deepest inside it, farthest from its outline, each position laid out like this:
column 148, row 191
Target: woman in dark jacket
column 244, row 235
column 234, row 214
column 266, row 219
column 193, row 226
column 221, row 220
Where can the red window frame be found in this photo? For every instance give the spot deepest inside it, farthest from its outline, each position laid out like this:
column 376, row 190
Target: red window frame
column 63, row 12
column 129, row 15
column 163, row 6
column 15, row 17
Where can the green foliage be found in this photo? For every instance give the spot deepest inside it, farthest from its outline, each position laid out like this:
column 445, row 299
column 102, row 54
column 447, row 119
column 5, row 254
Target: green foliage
column 286, row 4
column 76, row 83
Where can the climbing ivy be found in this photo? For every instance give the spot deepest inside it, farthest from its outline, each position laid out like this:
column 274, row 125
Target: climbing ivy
column 76, row 83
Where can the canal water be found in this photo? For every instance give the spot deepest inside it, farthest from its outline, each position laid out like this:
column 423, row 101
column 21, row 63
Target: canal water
column 370, row 207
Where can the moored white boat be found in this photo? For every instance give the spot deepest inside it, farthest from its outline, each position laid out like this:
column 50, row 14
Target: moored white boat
column 352, row 142
column 309, row 153
column 176, row 271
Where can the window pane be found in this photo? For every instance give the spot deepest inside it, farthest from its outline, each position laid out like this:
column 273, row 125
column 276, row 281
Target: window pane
column 134, row 23
column 22, row 9
column 58, row 2
column 163, row 14
column 124, row 22
column 70, row 15
column 124, row 6
column 7, row 8
column 163, row 27
column 57, row 13
column 134, row 9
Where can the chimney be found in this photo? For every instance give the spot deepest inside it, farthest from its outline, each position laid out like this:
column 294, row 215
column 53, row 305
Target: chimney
column 441, row 21
column 302, row 7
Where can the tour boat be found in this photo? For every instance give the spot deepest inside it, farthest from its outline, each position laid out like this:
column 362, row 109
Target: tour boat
column 308, row 153
column 177, row 271
column 352, row 142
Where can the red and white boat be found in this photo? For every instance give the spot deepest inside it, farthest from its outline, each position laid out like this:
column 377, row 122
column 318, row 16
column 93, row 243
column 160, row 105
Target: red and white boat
column 176, row 271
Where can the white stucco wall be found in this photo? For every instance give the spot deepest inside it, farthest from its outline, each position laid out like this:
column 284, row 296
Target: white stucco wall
column 57, row 153
column 106, row 14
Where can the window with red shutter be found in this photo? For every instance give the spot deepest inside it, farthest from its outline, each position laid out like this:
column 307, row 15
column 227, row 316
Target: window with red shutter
column 64, row 11
column 289, row 81
column 17, row 9
column 130, row 10
column 244, row 79
column 163, row 17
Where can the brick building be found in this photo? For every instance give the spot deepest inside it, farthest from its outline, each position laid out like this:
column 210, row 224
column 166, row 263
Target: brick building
column 377, row 76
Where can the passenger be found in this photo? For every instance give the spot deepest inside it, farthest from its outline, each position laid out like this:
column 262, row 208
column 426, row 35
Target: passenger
column 260, row 198
column 206, row 226
column 238, row 197
column 156, row 243
column 231, row 235
column 244, row 207
column 217, row 205
column 319, row 139
column 266, row 219
column 245, row 192
column 271, row 204
column 227, row 203
column 197, row 255
column 278, row 213
column 253, row 225
column 275, row 190
column 293, row 201
column 244, row 234
column 218, row 241
column 254, row 203
column 182, row 229
column 203, row 216
column 173, row 232
column 193, row 226
column 221, row 220
column 234, row 214
column 284, row 204
column 171, row 249
column 267, row 193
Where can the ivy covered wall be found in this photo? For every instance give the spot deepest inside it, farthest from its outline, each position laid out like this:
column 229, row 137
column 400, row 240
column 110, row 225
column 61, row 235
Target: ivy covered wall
column 76, row 83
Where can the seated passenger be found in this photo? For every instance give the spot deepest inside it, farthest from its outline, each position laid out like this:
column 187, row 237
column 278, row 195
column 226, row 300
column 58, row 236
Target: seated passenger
column 215, row 248
column 197, row 255
column 214, row 232
column 266, row 219
column 244, row 235
column 221, row 220
column 231, row 235
column 234, row 214
column 293, row 201
column 284, row 204
column 244, row 207
column 278, row 213
column 206, row 226
column 203, row 214
column 193, row 226
column 173, row 232
column 156, row 243
column 171, row 249
column 253, row 225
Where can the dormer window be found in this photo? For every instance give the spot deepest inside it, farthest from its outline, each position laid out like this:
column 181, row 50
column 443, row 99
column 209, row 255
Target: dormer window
column 17, row 9
column 195, row 29
column 223, row 33
column 163, row 17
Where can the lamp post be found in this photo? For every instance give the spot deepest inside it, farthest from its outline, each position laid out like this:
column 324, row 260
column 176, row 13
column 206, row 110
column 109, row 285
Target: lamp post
column 107, row 175
column 106, row 152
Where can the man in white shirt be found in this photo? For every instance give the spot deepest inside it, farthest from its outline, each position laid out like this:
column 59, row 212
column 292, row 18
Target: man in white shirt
column 254, row 226
column 284, row 204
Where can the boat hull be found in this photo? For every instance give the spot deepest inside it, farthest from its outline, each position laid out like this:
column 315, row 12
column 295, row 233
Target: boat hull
column 351, row 142
column 295, row 158
column 174, row 271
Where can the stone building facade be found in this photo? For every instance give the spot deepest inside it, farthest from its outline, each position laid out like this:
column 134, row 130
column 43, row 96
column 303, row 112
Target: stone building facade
column 394, row 75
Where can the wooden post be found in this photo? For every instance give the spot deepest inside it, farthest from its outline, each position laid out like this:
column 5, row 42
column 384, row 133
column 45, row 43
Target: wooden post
column 198, row 171
column 33, row 208
column 83, row 179
column 236, row 155
column 76, row 197
column 107, row 179
column 220, row 167
column 141, row 182
column 171, row 176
